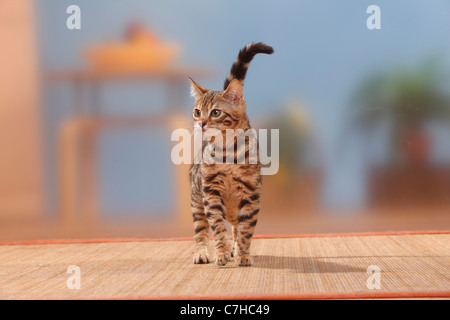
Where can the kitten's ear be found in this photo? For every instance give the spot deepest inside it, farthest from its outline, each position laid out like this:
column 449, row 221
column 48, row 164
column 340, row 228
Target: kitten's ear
column 197, row 90
column 233, row 93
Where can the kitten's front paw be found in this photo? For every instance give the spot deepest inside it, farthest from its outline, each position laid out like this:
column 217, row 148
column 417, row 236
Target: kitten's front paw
column 244, row 261
column 222, row 258
column 201, row 257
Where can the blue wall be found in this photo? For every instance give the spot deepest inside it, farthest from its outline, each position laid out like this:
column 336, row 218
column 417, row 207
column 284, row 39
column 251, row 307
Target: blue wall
column 322, row 52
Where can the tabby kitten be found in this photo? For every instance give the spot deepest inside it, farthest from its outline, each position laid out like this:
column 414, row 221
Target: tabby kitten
column 225, row 191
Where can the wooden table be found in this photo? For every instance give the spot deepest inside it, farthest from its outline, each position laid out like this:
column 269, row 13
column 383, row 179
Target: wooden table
column 77, row 136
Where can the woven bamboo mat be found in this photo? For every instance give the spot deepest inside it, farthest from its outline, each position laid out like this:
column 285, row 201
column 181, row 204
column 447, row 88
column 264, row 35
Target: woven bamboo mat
column 411, row 265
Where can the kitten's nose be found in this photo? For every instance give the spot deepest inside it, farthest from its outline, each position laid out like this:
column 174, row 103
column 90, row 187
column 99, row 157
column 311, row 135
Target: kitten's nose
column 202, row 124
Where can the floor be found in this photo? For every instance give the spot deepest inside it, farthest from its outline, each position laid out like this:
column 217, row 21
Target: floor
column 378, row 266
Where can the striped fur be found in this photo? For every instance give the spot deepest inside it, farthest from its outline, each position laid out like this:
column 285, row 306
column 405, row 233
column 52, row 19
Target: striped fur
column 226, row 193
column 239, row 68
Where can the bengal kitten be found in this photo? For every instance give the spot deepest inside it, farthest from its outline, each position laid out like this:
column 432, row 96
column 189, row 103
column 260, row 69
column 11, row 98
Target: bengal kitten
column 225, row 191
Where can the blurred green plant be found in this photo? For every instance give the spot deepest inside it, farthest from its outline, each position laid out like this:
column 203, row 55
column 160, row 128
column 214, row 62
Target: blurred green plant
column 407, row 99
column 295, row 140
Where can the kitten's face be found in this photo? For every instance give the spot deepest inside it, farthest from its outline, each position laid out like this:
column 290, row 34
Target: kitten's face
column 220, row 110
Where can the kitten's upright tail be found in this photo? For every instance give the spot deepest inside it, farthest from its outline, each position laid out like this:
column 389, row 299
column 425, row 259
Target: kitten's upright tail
column 240, row 66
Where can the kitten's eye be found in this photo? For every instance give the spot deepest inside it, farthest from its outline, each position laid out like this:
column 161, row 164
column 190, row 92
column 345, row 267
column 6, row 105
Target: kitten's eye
column 216, row 113
column 197, row 113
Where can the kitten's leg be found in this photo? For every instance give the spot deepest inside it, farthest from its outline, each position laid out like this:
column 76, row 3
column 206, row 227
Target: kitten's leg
column 201, row 227
column 247, row 219
column 235, row 237
column 215, row 213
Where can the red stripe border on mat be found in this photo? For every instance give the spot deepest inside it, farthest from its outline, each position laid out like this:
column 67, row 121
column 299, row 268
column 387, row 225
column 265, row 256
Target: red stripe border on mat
column 305, row 296
column 299, row 296
column 262, row 236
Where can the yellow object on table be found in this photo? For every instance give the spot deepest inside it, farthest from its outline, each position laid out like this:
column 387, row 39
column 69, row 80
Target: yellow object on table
column 132, row 56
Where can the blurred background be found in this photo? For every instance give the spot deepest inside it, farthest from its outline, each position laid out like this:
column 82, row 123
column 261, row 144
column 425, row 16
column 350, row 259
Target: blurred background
column 86, row 115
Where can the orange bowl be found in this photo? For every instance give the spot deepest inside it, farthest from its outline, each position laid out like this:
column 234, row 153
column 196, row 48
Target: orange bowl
column 141, row 56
